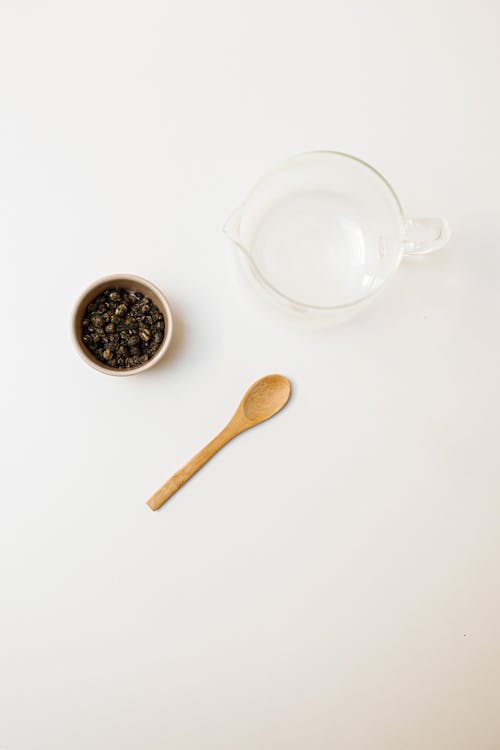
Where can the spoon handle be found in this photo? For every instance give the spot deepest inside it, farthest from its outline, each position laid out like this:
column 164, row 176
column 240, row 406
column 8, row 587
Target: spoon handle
column 180, row 477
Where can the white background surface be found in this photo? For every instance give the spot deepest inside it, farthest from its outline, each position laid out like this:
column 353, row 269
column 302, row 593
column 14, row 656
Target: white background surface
column 330, row 580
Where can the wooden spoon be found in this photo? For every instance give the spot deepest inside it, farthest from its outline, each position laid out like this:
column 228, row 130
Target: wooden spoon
column 262, row 400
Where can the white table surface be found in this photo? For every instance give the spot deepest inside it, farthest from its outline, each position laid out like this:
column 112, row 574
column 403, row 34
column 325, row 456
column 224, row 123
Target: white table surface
column 331, row 579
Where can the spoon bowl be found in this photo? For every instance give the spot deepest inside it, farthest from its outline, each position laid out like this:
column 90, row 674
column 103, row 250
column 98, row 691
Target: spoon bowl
column 265, row 398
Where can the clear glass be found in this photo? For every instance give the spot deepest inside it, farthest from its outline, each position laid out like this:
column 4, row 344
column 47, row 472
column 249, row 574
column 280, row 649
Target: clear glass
column 324, row 231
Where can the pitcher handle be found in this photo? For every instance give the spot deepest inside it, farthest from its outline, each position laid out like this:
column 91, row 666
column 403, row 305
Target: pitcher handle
column 425, row 235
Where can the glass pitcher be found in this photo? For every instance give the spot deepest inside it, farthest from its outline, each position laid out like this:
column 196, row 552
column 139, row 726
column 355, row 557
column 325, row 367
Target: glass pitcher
column 324, row 231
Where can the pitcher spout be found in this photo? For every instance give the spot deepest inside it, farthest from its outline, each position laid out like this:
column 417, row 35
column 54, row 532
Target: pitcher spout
column 232, row 226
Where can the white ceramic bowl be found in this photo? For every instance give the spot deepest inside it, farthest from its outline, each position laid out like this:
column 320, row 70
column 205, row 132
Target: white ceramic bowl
column 132, row 283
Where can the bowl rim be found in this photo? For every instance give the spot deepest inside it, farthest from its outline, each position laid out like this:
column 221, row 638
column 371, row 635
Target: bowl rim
column 114, row 279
